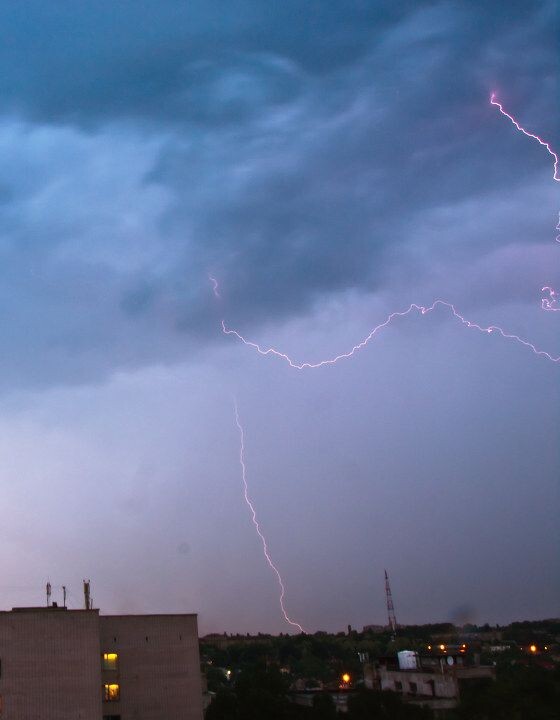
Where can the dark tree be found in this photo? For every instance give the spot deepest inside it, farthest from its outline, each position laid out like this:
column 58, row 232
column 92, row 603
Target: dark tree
column 323, row 707
column 374, row 705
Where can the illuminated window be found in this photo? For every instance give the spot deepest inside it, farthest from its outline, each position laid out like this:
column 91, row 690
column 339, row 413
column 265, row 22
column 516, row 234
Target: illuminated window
column 110, row 661
column 111, row 692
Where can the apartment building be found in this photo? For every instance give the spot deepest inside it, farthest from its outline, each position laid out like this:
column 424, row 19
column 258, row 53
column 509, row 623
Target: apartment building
column 59, row 664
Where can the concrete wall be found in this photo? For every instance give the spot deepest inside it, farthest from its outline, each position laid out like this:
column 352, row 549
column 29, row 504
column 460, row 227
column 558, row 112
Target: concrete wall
column 158, row 670
column 444, row 686
column 50, row 665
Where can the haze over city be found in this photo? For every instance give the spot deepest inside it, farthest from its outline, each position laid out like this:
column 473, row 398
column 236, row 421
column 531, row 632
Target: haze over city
column 327, row 164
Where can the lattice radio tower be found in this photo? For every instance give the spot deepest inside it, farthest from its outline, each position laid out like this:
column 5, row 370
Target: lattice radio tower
column 390, row 607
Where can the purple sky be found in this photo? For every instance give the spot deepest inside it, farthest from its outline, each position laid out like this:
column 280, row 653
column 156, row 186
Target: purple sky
column 329, row 163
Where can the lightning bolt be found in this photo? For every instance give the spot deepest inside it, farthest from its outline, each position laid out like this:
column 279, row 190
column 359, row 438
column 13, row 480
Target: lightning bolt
column 215, row 287
column 550, row 302
column 542, row 142
column 423, row 310
column 256, row 523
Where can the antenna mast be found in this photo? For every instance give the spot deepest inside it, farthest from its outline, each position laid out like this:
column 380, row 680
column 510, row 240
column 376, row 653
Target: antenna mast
column 390, row 608
column 87, row 597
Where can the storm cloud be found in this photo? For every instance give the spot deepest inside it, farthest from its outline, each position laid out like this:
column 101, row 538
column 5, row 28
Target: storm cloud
column 291, row 150
column 328, row 163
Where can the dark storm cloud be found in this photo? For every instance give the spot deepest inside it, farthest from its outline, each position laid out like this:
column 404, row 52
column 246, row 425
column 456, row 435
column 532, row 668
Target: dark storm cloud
column 314, row 196
column 85, row 62
column 329, row 161
column 288, row 148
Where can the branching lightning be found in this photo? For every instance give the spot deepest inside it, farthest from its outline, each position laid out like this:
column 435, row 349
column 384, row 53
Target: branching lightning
column 251, row 507
column 550, row 302
column 423, row 310
column 542, row 142
column 547, row 303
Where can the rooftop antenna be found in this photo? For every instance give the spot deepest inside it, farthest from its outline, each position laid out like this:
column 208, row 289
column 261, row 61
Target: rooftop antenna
column 64, row 595
column 87, row 596
column 390, row 608
column 49, row 592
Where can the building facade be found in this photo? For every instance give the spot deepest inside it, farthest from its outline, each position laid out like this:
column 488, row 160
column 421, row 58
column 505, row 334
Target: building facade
column 59, row 664
column 434, row 680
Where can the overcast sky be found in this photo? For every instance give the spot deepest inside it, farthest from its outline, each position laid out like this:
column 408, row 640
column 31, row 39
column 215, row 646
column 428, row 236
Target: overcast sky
column 329, row 163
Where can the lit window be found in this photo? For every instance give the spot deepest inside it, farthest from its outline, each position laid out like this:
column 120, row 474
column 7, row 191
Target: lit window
column 111, row 692
column 110, row 661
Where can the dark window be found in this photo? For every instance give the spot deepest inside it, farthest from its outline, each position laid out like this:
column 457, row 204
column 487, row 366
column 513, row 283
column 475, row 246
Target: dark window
column 413, row 688
column 111, row 717
column 398, row 685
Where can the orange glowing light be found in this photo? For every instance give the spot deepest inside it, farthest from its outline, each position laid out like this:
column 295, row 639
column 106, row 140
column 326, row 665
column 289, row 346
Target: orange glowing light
column 112, row 692
column 442, row 647
column 533, row 648
column 346, row 678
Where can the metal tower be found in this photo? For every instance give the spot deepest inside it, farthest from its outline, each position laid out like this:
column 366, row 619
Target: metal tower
column 390, row 607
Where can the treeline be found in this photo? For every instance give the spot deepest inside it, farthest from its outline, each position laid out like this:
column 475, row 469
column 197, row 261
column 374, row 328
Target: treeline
column 261, row 693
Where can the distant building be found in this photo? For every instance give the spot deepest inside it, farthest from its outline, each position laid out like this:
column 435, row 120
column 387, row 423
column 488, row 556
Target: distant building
column 434, row 680
column 377, row 629
column 59, row 664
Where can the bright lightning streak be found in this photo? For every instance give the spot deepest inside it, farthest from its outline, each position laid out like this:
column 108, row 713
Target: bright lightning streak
column 550, row 302
column 547, row 303
column 542, row 142
column 215, row 286
column 257, row 525
column 413, row 306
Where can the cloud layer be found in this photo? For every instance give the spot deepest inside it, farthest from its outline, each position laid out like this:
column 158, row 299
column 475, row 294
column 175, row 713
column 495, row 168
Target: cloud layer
column 329, row 163
column 293, row 151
